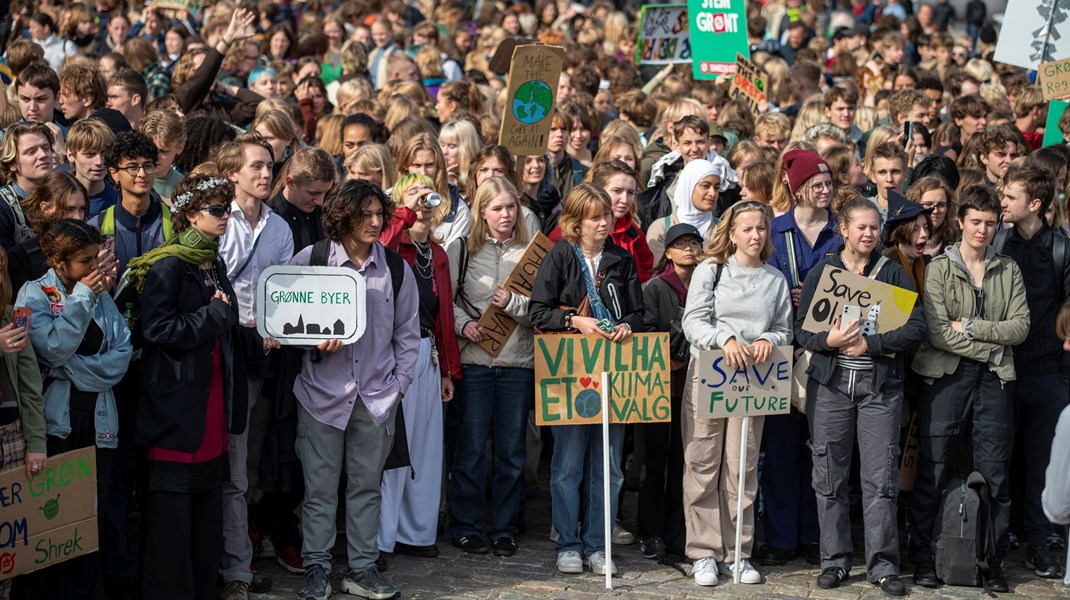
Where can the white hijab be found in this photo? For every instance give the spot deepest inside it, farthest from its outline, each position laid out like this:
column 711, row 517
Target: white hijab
column 689, row 179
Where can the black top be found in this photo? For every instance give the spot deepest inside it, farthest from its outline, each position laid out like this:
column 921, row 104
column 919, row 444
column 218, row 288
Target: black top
column 86, row 402
column 1042, row 351
column 307, row 228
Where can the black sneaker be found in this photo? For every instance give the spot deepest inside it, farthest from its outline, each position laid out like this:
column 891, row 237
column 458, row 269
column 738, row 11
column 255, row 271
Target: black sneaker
column 653, row 548
column 812, row 552
column 925, row 575
column 504, row 546
column 776, row 557
column 892, row 586
column 1043, row 563
column 369, row 584
column 418, row 551
column 473, row 544
column 996, row 581
column 1056, row 542
column 831, row 578
column 316, row 586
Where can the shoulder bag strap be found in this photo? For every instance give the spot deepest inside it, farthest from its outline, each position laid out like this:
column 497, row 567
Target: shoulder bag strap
column 249, row 258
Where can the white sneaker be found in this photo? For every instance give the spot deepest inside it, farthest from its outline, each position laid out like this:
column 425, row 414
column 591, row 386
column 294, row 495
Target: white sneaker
column 621, row 536
column 705, row 571
column 748, row 574
column 569, row 561
column 597, row 562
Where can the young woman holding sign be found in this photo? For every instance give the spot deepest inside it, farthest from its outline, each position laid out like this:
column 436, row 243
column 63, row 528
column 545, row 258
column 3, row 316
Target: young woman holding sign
column 856, row 384
column 586, row 265
column 495, row 393
column 740, row 304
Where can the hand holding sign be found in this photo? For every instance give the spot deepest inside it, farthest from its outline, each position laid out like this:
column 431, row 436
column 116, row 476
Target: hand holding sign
column 840, row 337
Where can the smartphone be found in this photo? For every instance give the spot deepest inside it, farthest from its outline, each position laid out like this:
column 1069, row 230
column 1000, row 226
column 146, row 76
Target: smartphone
column 22, row 317
column 907, row 132
column 851, row 312
column 109, row 243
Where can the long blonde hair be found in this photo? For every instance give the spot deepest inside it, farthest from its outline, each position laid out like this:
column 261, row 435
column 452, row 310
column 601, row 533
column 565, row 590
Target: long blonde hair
column 485, row 194
column 721, row 247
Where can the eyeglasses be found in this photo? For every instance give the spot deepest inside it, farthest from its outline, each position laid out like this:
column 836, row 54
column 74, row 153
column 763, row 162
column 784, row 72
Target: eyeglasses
column 688, row 243
column 132, row 170
column 216, row 210
column 821, row 186
column 939, row 206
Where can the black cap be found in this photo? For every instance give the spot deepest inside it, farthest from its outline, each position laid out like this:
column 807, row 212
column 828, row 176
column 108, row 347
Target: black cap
column 681, row 230
column 901, row 210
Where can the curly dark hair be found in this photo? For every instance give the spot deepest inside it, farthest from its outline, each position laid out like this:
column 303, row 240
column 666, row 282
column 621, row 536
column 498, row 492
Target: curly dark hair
column 218, row 193
column 66, row 238
column 204, row 135
column 130, row 145
column 344, row 209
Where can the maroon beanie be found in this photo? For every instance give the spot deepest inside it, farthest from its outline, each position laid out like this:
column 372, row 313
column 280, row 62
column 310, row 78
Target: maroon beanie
column 801, row 165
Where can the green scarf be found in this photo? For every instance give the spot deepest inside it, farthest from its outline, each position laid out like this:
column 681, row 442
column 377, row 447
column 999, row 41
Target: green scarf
column 190, row 246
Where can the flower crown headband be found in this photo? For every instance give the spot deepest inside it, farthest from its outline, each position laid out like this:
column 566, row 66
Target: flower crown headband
column 182, row 199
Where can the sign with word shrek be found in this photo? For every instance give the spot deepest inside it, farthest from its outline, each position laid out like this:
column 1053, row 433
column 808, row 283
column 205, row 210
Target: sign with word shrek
column 882, row 306
column 663, row 36
column 718, row 31
column 533, row 76
column 50, row 518
column 568, row 373
column 747, row 85
column 755, row 390
column 299, row 305
column 496, row 324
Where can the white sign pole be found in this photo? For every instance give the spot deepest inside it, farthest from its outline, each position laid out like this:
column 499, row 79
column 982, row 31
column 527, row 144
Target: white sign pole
column 740, row 491
column 606, row 503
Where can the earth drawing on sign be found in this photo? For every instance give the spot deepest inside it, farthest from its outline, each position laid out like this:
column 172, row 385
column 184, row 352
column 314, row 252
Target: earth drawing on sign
column 532, row 102
column 588, row 403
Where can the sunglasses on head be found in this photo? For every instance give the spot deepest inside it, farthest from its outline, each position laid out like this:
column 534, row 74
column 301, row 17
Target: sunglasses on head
column 216, row 210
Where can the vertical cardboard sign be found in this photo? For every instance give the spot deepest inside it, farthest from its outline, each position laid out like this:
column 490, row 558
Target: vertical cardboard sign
column 755, row 390
column 533, row 76
column 838, row 288
column 497, row 325
column 718, row 33
column 50, row 518
column 568, row 369
column 747, row 85
column 663, row 35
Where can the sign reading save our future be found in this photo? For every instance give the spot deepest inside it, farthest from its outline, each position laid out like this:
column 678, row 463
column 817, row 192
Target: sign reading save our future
column 754, row 390
column 300, row 305
column 838, row 288
column 568, row 373
column 50, row 518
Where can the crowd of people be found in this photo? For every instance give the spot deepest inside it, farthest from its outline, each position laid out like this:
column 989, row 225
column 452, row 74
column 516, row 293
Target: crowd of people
column 156, row 161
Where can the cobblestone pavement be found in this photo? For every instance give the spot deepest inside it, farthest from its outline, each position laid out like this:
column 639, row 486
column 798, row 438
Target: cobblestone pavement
column 531, row 574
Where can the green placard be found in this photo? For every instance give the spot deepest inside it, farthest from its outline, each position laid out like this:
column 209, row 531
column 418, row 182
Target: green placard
column 718, row 31
column 1052, row 135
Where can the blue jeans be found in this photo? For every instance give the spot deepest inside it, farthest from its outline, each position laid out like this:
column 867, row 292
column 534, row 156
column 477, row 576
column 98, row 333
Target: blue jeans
column 489, row 399
column 577, row 466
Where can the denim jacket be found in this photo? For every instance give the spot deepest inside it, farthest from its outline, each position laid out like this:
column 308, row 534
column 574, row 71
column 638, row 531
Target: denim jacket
column 58, row 324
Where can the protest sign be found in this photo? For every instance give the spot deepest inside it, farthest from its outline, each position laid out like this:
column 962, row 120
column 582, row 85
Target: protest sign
column 308, row 305
column 567, row 372
column 191, row 6
column 754, row 390
column 1052, row 135
column 663, row 35
column 496, row 324
column 718, row 30
column 1054, row 79
column 50, row 518
column 1034, row 32
column 884, row 306
column 747, row 85
column 533, row 76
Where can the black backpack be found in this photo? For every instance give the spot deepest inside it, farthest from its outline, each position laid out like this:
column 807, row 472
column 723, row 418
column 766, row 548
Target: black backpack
column 965, row 544
column 399, row 453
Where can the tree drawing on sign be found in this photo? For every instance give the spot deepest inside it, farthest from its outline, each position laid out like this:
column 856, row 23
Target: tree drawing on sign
column 1045, row 37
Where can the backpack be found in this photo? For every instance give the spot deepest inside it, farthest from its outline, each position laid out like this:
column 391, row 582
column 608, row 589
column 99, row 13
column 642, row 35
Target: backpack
column 107, row 222
column 22, row 226
column 399, row 453
column 965, row 543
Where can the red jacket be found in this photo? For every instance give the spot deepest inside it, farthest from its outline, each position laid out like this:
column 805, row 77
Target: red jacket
column 396, row 237
column 626, row 235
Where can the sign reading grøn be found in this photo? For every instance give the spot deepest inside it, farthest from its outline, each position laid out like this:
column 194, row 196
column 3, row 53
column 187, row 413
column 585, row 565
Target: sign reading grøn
column 299, row 305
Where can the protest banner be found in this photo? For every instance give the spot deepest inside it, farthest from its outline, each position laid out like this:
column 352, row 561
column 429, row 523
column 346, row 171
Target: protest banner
column 1054, row 79
column 718, row 30
column 1034, row 32
column 50, row 518
column 533, row 76
column 754, row 390
column 884, row 307
column 568, row 367
column 300, row 305
column 191, row 6
column 496, row 324
column 663, row 35
column 747, row 85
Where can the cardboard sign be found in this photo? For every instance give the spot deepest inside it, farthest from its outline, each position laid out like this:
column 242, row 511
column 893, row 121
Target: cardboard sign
column 1034, row 32
column 532, row 91
column 1054, row 79
column 1052, row 135
column 838, row 288
column 307, row 305
column 663, row 35
column 747, row 85
column 50, row 518
column 718, row 30
column 497, row 325
column 568, row 369
column 755, row 390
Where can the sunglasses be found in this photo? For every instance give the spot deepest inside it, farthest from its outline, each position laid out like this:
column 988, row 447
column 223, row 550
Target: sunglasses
column 217, row 210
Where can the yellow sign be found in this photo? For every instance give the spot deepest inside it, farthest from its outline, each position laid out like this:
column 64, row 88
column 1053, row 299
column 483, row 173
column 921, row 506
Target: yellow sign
column 883, row 307
column 532, row 90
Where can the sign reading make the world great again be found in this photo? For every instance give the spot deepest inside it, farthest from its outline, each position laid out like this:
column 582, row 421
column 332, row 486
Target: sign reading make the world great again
column 568, row 375
column 529, row 106
column 50, row 518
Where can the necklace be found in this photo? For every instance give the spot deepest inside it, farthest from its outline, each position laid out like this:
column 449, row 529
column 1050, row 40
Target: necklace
column 424, row 259
column 591, row 253
column 850, row 267
column 211, row 279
